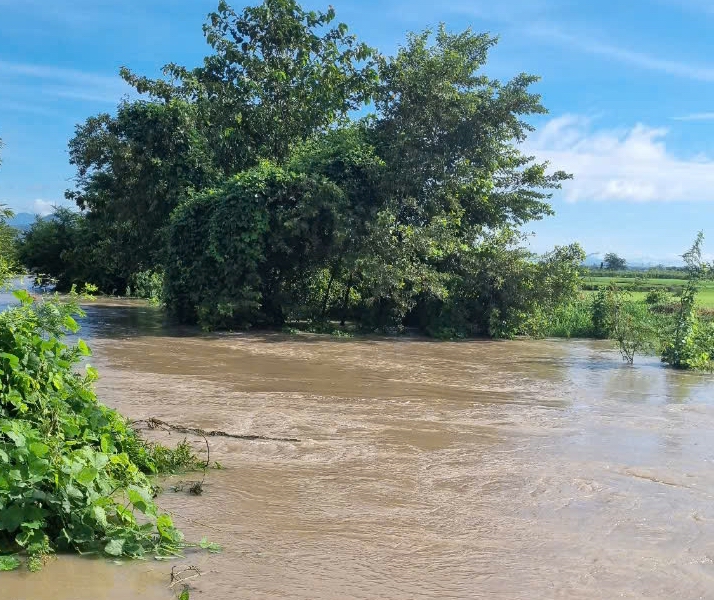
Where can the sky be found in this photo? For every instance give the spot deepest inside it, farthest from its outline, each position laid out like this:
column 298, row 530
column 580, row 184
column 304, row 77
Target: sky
column 629, row 87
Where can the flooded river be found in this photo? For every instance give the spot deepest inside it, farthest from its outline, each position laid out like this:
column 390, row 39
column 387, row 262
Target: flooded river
column 523, row 469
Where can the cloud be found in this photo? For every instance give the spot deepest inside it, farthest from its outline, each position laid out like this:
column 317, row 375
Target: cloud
column 631, row 165
column 42, row 207
column 63, row 82
column 541, row 19
column 635, row 58
column 28, row 108
column 705, row 116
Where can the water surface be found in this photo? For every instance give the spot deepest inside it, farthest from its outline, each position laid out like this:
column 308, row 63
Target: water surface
column 524, row 469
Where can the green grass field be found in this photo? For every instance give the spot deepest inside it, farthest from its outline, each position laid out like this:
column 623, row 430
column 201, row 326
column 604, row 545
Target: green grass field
column 705, row 298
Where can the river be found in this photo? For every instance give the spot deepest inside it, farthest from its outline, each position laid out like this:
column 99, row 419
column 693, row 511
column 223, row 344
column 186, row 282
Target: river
column 481, row 469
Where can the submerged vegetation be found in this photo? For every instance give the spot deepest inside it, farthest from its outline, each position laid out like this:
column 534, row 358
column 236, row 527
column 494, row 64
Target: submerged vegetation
column 673, row 325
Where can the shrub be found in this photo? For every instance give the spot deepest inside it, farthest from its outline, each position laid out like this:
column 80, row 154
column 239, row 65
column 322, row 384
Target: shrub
column 72, row 472
column 146, row 284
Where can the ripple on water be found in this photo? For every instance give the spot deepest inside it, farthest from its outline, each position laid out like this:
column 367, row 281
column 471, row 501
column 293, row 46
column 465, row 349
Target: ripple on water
column 525, row 469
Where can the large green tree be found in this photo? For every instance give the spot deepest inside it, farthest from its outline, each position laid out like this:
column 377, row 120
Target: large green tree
column 277, row 75
column 133, row 169
column 252, row 181
column 614, row 262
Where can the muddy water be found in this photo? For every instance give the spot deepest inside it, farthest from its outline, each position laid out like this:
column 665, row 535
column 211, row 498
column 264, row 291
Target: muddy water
column 526, row 469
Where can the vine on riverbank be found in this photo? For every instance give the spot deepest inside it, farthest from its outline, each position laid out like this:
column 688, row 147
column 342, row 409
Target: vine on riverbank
column 73, row 473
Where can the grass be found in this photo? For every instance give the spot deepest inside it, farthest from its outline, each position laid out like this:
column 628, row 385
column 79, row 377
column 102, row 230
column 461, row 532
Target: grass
column 639, row 287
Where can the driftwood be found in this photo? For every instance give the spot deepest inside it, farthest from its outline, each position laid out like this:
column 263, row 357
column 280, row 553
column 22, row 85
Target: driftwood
column 153, row 423
column 183, row 575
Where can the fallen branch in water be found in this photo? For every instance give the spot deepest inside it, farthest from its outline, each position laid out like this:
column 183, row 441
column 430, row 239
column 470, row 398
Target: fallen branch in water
column 153, row 423
column 180, row 577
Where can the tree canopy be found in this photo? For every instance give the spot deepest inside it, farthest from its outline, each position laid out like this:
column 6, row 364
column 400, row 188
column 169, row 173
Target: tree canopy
column 614, row 262
column 298, row 174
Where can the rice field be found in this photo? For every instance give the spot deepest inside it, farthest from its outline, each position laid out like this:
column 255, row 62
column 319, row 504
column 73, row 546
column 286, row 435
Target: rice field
column 705, row 297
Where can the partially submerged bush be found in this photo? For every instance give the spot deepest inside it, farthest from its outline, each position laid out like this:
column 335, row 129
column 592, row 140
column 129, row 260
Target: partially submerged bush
column 72, row 472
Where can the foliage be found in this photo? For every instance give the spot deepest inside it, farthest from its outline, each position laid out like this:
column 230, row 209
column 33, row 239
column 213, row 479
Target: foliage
column 8, row 244
column 72, row 472
column 249, row 182
column 634, row 328
column 239, row 252
column 146, row 284
column 366, row 221
column 658, row 297
column 571, row 320
column 691, row 342
column 133, row 169
column 613, row 262
column 604, row 306
column 47, row 246
column 277, row 75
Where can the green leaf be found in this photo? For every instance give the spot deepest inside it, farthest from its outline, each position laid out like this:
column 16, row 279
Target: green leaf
column 212, row 547
column 105, row 442
column 23, row 296
column 11, row 358
column 9, row 563
column 16, row 437
column 83, row 348
column 70, row 324
column 39, row 449
column 100, row 515
column 86, row 475
column 11, row 518
column 184, row 595
column 115, row 547
column 74, row 492
column 141, row 500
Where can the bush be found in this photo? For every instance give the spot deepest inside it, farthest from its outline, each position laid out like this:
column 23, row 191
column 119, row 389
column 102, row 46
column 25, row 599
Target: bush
column 658, row 297
column 146, row 284
column 691, row 341
column 237, row 254
column 73, row 474
column 572, row 320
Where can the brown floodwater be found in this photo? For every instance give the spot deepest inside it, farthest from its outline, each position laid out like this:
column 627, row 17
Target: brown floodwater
column 521, row 469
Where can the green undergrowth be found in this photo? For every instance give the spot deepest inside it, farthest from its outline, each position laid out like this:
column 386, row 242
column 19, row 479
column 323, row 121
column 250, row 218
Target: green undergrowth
column 74, row 476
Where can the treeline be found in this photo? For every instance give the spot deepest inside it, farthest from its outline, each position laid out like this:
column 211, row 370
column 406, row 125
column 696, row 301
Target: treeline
column 301, row 175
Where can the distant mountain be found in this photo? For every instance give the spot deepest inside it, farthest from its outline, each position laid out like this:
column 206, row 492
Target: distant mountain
column 640, row 263
column 22, row 221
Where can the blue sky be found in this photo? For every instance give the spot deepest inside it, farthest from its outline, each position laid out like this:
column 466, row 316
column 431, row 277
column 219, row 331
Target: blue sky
column 629, row 86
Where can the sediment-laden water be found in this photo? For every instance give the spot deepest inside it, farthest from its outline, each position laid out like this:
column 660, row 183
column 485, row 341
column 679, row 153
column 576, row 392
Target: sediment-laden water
column 523, row 469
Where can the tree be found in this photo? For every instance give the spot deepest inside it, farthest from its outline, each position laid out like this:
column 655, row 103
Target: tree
column 277, row 75
column 449, row 134
column 45, row 246
column 614, row 263
column 132, row 171
column 416, row 205
column 690, row 344
column 238, row 254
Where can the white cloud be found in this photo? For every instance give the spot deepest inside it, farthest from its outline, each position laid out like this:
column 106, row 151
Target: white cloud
column 705, row 116
column 630, row 164
column 542, row 19
column 635, row 58
column 62, row 82
column 42, row 207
